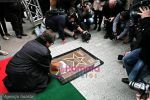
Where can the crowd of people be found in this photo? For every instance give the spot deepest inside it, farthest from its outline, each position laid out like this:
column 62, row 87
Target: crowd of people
column 77, row 17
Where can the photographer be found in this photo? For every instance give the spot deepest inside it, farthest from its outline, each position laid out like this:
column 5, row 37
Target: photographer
column 121, row 25
column 87, row 15
column 143, row 54
column 110, row 9
column 73, row 26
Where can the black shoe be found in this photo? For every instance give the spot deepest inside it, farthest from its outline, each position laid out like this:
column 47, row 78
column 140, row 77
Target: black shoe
column 125, row 80
column 24, row 34
column 99, row 29
column 19, row 36
column 106, row 36
column 23, row 22
column 75, row 37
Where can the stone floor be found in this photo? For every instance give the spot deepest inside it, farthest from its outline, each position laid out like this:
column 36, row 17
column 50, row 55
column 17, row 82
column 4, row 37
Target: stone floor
column 103, row 85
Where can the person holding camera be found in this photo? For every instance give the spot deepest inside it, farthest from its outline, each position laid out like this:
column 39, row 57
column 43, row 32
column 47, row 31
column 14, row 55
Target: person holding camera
column 73, row 26
column 87, row 15
column 140, row 55
column 121, row 25
column 110, row 9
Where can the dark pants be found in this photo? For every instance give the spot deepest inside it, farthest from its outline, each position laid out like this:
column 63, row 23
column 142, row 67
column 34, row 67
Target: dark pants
column 133, row 64
column 3, row 27
column 16, row 22
column 109, row 28
column 21, row 82
column 98, row 14
column 56, row 23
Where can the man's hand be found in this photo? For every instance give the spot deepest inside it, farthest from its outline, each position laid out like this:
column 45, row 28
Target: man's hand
column 111, row 19
column 145, row 12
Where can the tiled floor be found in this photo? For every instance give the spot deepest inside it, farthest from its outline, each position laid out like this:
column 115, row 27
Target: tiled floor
column 103, row 85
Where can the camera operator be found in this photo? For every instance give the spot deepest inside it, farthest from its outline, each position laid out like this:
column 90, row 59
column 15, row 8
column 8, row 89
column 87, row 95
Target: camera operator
column 72, row 23
column 87, row 15
column 73, row 26
column 110, row 9
column 121, row 25
column 139, row 58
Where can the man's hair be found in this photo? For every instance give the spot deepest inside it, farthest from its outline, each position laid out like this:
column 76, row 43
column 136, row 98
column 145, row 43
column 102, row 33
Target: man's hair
column 125, row 15
column 48, row 36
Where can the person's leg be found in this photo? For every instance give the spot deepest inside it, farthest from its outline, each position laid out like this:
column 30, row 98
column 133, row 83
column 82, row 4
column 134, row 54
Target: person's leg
column 136, row 70
column 130, row 60
column 89, row 21
column 95, row 19
column 4, row 25
column 3, row 53
column 16, row 26
column 100, row 20
column 108, row 29
column 1, row 31
column 2, row 34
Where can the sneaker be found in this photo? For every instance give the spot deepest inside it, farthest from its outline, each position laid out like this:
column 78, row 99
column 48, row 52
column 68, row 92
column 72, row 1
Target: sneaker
column 125, row 80
column 3, row 53
column 5, row 38
column 75, row 37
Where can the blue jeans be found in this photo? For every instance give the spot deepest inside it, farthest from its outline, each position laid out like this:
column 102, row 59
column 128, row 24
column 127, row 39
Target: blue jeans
column 133, row 64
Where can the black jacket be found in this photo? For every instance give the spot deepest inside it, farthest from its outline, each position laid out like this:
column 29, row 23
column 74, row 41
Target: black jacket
column 112, row 12
column 28, row 71
column 145, row 42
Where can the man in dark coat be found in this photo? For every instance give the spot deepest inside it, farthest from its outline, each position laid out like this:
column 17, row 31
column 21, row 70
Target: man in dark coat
column 110, row 9
column 28, row 70
column 137, row 63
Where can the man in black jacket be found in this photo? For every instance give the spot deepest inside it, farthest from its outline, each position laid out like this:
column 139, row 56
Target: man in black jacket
column 131, row 60
column 110, row 10
column 28, row 70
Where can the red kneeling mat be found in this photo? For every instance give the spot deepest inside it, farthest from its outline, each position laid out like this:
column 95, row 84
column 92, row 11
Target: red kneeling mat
column 3, row 64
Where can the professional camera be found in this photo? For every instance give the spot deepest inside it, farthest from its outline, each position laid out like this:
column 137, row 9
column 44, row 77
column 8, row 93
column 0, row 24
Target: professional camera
column 139, row 86
column 134, row 8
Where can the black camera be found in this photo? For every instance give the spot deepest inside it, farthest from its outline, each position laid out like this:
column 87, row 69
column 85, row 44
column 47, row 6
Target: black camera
column 134, row 8
column 120, row 57
column 139, row 86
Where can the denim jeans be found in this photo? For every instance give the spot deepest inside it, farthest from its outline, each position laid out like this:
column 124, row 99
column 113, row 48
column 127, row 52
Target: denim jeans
column 133, row 64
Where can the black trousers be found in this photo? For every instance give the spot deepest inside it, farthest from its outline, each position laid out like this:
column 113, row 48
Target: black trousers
column 56, row 23
column 108, row 28
column 3, row 27
column 16, row 22
column 98, row 15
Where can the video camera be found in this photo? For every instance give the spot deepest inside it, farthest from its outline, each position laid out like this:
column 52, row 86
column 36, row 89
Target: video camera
column 134, row 8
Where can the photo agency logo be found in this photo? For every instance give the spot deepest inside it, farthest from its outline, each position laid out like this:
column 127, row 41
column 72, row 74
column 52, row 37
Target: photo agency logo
column 18, row 96
column 58, row 72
